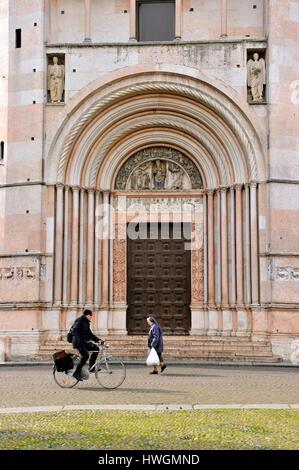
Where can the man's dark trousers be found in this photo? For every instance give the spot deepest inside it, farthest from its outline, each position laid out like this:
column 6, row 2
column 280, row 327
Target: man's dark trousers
column 83, row 350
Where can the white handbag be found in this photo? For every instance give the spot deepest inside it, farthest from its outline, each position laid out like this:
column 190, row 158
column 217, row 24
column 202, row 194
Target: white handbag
column 153, row 358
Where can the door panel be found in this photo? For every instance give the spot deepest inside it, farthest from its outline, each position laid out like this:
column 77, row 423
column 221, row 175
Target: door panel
column 159, row 283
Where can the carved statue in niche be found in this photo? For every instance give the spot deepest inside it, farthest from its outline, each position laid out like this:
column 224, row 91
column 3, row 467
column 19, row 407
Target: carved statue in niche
column 256, row 77
column 56, row 81
column 159, row 174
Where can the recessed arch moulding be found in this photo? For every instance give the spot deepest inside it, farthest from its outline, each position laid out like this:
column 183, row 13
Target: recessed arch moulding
column 113, row 113
column 112, row 120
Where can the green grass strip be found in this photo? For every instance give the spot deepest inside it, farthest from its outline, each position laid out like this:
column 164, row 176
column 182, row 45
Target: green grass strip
column 183, row 430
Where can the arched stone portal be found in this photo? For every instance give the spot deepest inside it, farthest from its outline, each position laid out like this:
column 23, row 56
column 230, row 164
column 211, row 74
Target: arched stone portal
column 120, row 119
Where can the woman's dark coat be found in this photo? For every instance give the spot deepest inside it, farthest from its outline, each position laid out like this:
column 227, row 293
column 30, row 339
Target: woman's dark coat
column 155, row 337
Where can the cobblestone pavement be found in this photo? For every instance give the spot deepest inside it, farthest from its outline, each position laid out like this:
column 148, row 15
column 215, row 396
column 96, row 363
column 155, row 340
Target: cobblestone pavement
column 34, row 386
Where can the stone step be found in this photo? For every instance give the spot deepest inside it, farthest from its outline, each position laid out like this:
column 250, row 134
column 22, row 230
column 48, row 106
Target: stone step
column 135, row 347
column 181, row 353
column 220, row 358
column 171, row 344
column 172, row 347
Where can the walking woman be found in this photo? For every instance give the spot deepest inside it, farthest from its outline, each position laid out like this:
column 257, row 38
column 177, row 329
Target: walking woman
column 155, row 340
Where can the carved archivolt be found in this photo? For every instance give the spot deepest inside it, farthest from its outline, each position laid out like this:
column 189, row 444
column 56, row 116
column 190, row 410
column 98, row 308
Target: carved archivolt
column 229, row 115
column 158, row 168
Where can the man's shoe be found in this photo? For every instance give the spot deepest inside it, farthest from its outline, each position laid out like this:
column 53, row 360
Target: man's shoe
column 163, row 368
column 154, row 372
column 77, row 376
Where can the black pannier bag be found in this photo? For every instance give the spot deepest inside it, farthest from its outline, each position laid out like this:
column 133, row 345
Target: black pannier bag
column 63, row 361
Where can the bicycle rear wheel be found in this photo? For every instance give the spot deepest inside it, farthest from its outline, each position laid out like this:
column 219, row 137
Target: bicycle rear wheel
column 110, row 373
column 64, row 379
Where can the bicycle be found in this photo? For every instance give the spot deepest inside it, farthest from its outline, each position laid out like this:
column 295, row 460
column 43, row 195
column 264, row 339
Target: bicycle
column 110, row 373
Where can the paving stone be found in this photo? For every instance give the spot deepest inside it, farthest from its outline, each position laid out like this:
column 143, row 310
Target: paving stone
column 183, row 385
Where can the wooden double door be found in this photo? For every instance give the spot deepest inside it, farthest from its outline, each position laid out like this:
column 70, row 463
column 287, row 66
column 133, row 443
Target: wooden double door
column 159, row 279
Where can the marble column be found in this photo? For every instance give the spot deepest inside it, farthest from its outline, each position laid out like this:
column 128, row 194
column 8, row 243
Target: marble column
column 226, row 312
column 133, row 32
column 247, row 247
column 104, row 313
column 239, row 244
column 58, row 245
column 232, row 269
column 90, row 249
column 224, row 12
column 254, row 244
column 218, row 287
column 105, row 250
column 48, row 21
column 224, row 256
column 178, row 19
column 75, row 246
column 205, row 240
column 87, row 21
column 265, row 18
column 212, row 313
column 65, row 268
column 241, row 313
column 232, row 228
column 81, row 248
column 97, row 257
column 211, row 278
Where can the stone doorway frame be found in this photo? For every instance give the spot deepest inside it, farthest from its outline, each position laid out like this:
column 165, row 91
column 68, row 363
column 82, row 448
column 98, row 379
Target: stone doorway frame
column 118, row 251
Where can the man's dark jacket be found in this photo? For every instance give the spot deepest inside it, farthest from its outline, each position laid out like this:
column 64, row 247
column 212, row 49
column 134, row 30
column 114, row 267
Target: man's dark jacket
column 82, row 332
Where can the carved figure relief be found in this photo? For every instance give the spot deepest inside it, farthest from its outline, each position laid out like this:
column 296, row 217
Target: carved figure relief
column 159, row 168
column 56, row 74
column 256, row 77
column 17, row 273
column 286, row 274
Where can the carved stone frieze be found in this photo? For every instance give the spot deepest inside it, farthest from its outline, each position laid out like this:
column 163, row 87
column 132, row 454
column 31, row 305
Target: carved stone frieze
column 17, row 273
column 119, row 267
column 286, row 274
column 158, row 168
column 198, row 275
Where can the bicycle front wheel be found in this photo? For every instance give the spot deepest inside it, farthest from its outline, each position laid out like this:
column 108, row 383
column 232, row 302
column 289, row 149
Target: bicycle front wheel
column 110, row 373
column 64, row 379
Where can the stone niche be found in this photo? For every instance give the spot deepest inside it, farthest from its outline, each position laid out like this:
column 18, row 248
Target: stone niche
column 256, row 76
column 56, row 79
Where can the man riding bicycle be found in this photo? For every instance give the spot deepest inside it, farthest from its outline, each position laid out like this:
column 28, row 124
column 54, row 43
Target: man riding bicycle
column 83, row 340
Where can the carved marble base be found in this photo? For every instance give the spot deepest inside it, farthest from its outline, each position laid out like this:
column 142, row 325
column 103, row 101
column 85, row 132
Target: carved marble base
column 198, row 321
column 227, row 318
column 213, row 329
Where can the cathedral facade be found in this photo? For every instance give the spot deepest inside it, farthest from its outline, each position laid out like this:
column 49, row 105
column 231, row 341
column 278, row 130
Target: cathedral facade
column 149, row 166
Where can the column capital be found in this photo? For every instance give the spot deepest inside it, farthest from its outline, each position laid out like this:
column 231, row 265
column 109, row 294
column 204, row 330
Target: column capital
column 210, row 192
column 223, row 189
column 253, row 184
column 75, row 188
column 238, row 187
column 60, row 185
